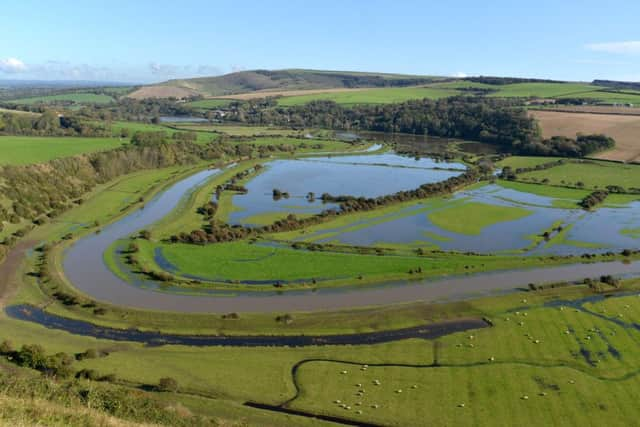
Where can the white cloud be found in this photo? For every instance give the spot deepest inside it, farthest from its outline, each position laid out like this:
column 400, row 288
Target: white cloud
column 12, row 65
column 623, row 48
column 460, row 75
column 181, row 71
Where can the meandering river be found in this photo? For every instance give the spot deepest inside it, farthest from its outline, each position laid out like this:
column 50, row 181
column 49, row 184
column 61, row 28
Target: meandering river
column 85, row 268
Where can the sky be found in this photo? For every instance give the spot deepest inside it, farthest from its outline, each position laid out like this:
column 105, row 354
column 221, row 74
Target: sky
column 146, row 41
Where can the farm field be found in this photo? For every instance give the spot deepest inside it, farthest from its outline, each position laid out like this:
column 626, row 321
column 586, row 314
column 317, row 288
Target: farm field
column 20, row 150
column 209, row 104
column 516, row 162
column 76, row 98
column 370, row 96
column 592, row 174
column 595, row 109
column 117, row 126
column 234, row 130
column 543, row 90
column 624, row 129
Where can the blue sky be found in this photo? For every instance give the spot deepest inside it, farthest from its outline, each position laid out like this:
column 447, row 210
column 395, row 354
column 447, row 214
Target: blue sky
column 147, row 41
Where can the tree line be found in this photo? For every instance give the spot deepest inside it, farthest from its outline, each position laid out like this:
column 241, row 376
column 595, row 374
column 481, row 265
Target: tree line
column 49, row 123
column 496, row 121
column 218, row 232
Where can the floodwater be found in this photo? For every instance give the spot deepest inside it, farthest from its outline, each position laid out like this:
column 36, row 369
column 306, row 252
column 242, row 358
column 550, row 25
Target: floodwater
column 421, row 143
column 355, row 175
column 590, row 232
column 84, row 267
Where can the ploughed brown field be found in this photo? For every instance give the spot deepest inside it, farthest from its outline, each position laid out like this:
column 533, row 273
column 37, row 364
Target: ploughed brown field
column 600, row 109
column 625, row 129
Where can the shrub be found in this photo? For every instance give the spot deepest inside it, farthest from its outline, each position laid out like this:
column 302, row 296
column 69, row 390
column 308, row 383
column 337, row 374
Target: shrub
column 167, row 384
column 6, row 347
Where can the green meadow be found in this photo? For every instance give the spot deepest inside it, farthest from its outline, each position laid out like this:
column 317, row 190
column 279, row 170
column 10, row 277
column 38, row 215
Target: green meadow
column 543, row 90
column 76, row 98
column 209, row 104
column 20, row 150
column 592, row 174
column 370, row 96
column 472, row 217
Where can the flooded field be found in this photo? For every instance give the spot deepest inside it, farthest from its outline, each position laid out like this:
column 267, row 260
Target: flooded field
column 357, row 175
column 607, row 229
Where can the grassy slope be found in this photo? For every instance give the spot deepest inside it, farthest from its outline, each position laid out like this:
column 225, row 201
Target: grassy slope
column 472, row 218
column 18, row 150
column 290, row 79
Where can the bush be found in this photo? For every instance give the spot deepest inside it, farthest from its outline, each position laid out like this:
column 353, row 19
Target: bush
column 6, row 347
column 31, row 356
column 167, row 384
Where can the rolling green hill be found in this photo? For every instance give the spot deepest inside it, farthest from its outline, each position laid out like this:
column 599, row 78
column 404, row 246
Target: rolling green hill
column 291, row 79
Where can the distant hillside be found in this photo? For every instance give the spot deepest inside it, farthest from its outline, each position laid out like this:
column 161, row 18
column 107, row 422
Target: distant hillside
column 278, row 80
column 617, row 84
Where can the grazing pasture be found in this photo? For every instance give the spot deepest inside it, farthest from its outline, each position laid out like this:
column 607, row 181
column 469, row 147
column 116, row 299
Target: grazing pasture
column 625, row 129
column 537, row 365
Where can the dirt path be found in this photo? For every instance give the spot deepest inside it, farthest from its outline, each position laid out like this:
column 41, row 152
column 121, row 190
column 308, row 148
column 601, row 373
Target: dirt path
column 8, row 269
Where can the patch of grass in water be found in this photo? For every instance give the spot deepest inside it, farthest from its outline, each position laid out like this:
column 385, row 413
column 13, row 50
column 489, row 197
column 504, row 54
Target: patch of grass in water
column 471, row 218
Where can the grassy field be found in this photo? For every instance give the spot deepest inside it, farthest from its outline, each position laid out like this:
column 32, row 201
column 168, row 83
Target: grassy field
column 592, row 174
column 623, row 128
column 516, row 162
column 236, row 130
column 542, row 90
column 371, row 96
column 611, row 97
column 298, row 268
column 76, row 98
column 537, row 366
column 20, row 150
column 209, row 104
column 203, row 137
column 472, row 218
